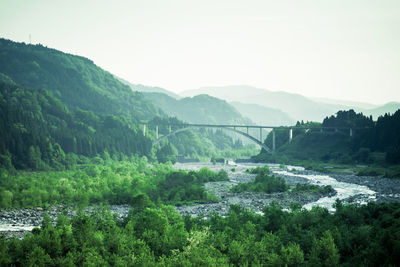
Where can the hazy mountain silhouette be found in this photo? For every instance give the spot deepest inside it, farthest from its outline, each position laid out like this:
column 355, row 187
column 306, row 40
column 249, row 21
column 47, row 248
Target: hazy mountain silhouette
column 198, row 109
column 295, row 105
column 390, row 107
column 148, row 89
column 345, row 103
column 263, row 115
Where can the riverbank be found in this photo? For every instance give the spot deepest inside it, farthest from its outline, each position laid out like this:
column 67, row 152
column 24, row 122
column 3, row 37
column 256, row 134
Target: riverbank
column 254, row 201
column 19, row 222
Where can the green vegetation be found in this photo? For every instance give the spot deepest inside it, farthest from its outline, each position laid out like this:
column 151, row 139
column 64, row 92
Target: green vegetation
column 268, row 183
column 39, row 132
column 181, row 187
column 352, row 236
column 264, row 170
column 75, row 80
column 264, row 182
column 103, row 180
column 377, row 146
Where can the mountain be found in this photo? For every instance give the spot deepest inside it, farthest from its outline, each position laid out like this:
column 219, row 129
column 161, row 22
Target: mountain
column 296, row 106
column 38, row 131
column 345, row 103
column 262, row 115
column 75, row 80
column 390, row 107
column 56, row 109
column 198, row 109
column 148, row 89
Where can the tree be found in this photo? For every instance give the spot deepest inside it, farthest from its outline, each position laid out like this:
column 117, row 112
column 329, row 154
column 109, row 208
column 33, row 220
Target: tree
column 324, row 251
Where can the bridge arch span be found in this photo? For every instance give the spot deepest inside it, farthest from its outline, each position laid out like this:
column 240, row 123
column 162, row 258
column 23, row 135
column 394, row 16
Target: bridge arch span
column 254, row 140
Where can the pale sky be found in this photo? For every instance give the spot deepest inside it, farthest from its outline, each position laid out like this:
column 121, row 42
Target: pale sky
column 342, row 49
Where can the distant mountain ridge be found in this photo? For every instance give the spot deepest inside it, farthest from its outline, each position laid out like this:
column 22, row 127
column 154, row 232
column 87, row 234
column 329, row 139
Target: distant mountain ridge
column 354, row 104
column 296, row 106
column 148, row 89
column 390, row 107
column 263, row 115
column 198, row 109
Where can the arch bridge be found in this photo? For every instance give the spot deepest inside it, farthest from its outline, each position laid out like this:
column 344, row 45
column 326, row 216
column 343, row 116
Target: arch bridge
column 239, row 129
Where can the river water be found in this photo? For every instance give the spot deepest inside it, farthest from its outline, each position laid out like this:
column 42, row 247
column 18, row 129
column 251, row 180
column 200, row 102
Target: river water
column 21, row 220
column 256, row 201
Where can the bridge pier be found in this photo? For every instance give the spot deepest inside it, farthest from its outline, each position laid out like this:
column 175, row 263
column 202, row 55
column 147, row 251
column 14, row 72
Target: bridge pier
column 273, row 140
column 247, row 128
column 144, row 129
column 156, row 131
column 351, row 132
column 290, row 135
column 169, row 128
column 261, row 135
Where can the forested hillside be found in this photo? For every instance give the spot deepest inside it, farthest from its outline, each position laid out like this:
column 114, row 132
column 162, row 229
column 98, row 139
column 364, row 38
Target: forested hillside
column 373, row 142
column 75, row 80
column 38, row 131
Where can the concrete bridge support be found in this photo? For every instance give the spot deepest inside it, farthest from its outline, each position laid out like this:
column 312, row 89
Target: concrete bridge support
column 351, row 132
column 290, row 135
column 273, row 140
column 156, row 131
column 144, row 129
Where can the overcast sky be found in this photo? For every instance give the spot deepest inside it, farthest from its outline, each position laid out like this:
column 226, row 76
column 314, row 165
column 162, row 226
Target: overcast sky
column 323, row 48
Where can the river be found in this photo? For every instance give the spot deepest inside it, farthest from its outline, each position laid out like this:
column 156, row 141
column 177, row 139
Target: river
column 349, row 188
column 256, row 201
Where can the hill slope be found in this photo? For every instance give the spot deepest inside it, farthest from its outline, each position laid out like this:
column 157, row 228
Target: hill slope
column 75, row 80
column 37, row 130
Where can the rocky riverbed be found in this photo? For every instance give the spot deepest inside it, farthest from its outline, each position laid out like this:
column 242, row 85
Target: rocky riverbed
column 387, row 189
column 349, row 188
column 18, row 222
column 254, row 201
